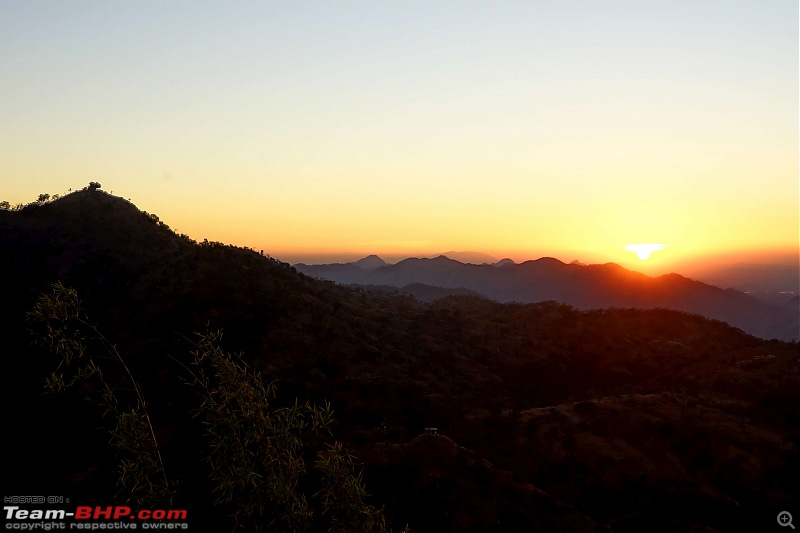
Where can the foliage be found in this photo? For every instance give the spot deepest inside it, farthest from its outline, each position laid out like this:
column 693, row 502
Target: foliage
column 256, row 448
column 85, row 355
column 343, row 494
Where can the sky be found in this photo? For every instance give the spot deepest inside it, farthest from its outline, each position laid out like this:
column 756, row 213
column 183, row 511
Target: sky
column 568, row 129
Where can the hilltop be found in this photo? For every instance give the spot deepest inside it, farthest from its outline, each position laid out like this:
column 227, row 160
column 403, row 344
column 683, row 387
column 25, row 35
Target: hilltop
column 551, row 418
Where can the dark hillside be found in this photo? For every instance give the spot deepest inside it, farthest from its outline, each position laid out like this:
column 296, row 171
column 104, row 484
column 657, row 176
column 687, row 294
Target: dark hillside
column 551, row 418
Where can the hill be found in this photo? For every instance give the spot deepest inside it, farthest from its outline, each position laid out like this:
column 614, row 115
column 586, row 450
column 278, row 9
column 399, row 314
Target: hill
column 582, row 286
column 550, row 418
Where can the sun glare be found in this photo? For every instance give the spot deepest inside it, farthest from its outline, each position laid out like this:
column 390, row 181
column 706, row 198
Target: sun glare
column 644, row 250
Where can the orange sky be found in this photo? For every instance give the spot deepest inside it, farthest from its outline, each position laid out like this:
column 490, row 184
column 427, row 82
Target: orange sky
column 414, row 128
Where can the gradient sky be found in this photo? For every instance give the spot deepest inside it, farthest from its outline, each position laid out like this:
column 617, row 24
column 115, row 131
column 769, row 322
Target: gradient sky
column 520, row 129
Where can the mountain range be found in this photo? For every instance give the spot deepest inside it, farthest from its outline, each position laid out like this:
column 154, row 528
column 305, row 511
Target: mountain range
column 582, row 286
column 548, row 417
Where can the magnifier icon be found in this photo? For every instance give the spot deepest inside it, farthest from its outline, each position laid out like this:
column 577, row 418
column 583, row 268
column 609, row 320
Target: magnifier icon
column 785, row 519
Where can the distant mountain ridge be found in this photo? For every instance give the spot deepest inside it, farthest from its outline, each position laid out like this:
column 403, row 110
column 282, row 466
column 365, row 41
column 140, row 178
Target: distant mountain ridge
column 582, row 286
column 477, row 258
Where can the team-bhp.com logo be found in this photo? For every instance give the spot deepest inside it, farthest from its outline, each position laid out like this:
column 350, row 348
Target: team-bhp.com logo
column 94, row 517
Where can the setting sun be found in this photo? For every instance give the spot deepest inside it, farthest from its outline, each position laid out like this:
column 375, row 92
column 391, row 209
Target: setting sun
column 644, row 250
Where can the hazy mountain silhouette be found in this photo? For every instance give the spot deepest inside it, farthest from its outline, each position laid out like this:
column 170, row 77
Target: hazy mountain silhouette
column 477, row 258
column 582, row 286
column 550, row 418
column 505, row 261
column 371, row 261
